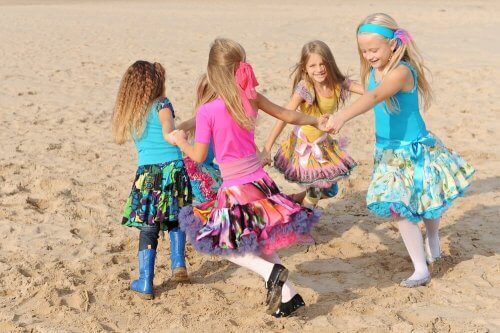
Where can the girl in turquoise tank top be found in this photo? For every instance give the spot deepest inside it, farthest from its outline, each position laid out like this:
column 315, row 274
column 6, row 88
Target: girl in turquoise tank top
column 161, row 185
column 415, row 176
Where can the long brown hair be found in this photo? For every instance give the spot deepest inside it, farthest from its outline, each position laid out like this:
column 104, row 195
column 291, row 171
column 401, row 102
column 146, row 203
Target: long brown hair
column 223, row 61
column 334, row 77
column 407, row 52
column 142, row 83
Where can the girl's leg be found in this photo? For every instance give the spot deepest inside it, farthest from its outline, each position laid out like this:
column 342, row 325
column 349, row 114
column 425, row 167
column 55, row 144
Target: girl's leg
column 288, row 290
column 311, row 199
column 412, row 238
column 148, row 237
column 254, row 263
column 177, row 255
column 330, row 192
column 298, row 197
column 432, row 235
column 275, row 276
column 148, row 242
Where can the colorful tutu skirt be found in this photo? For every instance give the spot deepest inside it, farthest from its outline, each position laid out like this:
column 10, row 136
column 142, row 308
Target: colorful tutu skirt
column 320, row 163
column 252, row 217
column 205, row 180
column 416, row 180
column 158, row 192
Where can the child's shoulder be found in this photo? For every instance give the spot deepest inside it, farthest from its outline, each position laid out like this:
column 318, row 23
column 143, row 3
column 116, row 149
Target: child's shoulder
column 406, row 67
column 305, row 90
column 404, row 71
column 212, row 106
column 164, row 102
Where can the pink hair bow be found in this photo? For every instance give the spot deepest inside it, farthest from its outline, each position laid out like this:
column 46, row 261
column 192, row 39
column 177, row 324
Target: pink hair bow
column 402, row 36
column 245, row 78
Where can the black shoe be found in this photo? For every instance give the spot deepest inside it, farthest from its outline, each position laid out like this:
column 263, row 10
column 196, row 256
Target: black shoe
column 276, row 280
column 286, row 309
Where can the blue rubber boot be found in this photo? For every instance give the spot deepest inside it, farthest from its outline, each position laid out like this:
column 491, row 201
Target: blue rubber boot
column 144, row 285
column 332, row 191
column 177, row 255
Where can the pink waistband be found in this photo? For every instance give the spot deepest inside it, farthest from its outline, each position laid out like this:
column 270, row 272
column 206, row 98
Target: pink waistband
column 240, row 167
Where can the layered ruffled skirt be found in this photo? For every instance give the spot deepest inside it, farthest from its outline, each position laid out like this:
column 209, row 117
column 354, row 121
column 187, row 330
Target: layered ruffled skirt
column 158, row 192
column 251, row 217
column 416, row 181
column 320, row 163
column 205, row 180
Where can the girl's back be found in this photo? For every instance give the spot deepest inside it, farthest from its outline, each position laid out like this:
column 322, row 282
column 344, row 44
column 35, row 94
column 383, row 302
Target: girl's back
column 250, row 219
column 161, row 184
column 231, row 141
column 151, row 146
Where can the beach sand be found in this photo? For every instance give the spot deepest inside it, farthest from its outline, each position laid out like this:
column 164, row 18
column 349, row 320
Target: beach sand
column 65, row 260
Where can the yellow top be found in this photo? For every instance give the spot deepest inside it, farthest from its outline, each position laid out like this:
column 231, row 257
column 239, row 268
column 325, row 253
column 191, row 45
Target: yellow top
column 326, row 105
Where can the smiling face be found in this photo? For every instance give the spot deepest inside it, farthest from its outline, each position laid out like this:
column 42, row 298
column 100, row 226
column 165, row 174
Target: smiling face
column 316, row 68
column 375, row 49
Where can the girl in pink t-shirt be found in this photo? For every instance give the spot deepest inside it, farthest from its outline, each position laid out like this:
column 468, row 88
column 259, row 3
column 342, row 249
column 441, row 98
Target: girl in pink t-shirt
column 251, row 218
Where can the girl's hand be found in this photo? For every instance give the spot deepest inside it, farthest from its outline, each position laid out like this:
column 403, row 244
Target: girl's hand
column 170, row 138
column 322, row 123
column 265, row 157
column 335, row 123
column 179, row 137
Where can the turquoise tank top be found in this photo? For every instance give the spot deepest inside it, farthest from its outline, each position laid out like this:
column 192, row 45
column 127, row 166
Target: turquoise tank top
column 404, row 122
column 151, row 146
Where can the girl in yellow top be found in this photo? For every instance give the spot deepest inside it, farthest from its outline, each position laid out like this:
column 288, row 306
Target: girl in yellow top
column 311, row 157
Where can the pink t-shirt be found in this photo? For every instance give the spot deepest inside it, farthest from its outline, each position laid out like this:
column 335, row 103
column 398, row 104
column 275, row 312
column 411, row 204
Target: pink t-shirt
column 231, row 142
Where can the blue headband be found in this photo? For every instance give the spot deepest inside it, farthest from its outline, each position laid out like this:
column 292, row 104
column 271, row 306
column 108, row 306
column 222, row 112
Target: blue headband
column 378, row 29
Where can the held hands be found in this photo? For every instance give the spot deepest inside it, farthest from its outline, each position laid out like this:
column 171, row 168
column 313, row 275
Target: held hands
column 335, row 123
column 322, row 123
column 330, row 123
column 177, row 137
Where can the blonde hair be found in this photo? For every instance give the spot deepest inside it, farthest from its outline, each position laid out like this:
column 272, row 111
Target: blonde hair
column 204, row 92
column 334, row 77
column 223, row 60
column 405, row 51
column 142, row 83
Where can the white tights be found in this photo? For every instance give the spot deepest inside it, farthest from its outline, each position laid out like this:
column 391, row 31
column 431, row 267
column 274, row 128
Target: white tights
column 288, row 291
column 412, row 238
column 432, row 234
column 263, row 265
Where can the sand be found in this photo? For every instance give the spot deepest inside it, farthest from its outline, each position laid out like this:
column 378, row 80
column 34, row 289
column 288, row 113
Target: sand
column 65, row 260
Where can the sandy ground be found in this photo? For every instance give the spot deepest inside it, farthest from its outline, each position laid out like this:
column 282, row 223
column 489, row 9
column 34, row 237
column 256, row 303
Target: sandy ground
column 65, row 260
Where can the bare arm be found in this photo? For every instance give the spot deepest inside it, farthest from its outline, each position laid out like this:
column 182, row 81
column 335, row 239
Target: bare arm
column 356, row 88
column 167, row 124
column 280, row 124
column 197, row 152
column 392, row 83
column 288, row 116
column 187, row 125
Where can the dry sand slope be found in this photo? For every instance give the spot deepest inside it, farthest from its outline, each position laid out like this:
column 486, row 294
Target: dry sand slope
column 65, row 261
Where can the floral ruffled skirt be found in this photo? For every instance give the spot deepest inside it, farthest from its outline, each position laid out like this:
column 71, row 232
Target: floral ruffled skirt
column 418, row 181
column 158, row 192
column 205, row 180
